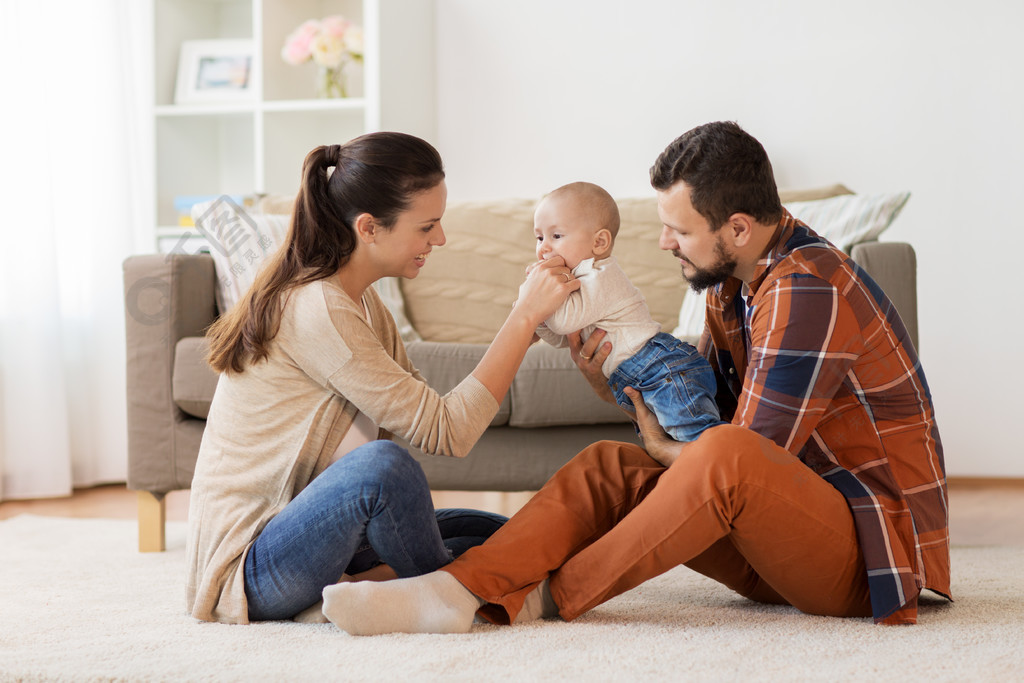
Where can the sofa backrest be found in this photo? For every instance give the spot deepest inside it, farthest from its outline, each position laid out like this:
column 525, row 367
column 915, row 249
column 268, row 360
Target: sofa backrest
column 467, row 288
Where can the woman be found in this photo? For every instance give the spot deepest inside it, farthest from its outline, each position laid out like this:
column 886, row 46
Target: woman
column 296, row 482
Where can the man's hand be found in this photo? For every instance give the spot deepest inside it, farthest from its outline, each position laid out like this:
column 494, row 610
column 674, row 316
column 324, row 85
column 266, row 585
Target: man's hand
column 658, row 444
column 589, row 356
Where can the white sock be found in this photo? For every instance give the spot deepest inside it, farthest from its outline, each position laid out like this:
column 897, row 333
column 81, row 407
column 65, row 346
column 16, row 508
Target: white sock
column 432, row 603
column 538, row 605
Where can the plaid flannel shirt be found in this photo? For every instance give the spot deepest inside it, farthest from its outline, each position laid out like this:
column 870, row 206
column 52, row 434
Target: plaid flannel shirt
column 815, row 357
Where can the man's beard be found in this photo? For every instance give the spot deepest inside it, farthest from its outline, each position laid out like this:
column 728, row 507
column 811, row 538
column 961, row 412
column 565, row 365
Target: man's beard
column 722, row 269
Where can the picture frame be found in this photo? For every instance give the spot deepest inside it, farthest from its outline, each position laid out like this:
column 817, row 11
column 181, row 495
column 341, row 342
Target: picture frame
column 215, row 71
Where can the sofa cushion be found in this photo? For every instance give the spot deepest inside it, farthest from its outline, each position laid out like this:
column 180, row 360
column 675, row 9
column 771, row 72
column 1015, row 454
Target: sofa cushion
column 240, row 242
column 445, row 365
column 850, row 219
column 193, row 380
column 442, row 365
column 468, row 287
column 549, row 391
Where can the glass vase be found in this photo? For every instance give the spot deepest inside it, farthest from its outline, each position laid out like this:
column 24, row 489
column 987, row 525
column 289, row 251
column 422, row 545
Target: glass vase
column 330, row 83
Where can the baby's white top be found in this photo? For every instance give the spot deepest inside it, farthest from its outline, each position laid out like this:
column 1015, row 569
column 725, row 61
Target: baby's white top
column 607, row 300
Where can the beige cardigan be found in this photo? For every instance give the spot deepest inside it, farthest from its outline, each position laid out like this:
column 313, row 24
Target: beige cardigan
column 274, row 427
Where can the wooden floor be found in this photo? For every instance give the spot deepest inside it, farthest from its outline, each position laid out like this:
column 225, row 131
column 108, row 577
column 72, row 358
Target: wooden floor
column 982, row 511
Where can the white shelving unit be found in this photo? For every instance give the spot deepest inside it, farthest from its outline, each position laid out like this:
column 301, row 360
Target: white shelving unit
column 257, row 146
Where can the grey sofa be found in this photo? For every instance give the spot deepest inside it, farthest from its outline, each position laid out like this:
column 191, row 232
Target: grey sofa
column 549, row 415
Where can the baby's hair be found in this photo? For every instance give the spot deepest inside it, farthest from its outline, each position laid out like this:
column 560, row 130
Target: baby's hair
column 594, row 199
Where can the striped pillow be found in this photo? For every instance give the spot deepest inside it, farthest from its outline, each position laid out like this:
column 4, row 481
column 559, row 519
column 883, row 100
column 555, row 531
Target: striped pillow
column 850, row 219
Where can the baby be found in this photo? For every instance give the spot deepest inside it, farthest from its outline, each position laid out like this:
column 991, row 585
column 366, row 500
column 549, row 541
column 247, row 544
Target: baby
column 579, row 222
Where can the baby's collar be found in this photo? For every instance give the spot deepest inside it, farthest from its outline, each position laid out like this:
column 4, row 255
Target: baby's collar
column 589, row 265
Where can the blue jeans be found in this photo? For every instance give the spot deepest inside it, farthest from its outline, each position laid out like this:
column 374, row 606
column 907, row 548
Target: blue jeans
column 677, row 383
column 369, row 507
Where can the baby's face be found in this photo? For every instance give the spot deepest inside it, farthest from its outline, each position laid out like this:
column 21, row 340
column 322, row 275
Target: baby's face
column 562, row 230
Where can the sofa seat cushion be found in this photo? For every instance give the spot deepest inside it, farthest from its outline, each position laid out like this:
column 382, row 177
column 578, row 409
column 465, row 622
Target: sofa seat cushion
column 445, row 365
column 549, row 391
column 442, row 365
column 193, row 380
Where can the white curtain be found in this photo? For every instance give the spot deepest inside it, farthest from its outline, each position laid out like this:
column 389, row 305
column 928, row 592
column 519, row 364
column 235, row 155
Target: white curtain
column 74, row 131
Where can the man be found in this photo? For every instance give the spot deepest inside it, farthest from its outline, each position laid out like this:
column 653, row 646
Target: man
column 827, row 491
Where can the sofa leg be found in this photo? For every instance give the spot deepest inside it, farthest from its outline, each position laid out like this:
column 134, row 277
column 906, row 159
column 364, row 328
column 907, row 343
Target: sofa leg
column 152, row 516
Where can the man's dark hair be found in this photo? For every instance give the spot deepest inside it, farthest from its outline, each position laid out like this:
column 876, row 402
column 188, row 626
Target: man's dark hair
column 727, row 171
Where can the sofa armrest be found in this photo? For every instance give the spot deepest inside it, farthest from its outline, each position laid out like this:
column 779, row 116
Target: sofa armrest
column 167, row 297
column 893, row 265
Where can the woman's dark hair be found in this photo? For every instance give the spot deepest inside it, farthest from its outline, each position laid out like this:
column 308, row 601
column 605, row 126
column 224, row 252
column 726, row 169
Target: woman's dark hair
column 726, row 170
column 377, row 174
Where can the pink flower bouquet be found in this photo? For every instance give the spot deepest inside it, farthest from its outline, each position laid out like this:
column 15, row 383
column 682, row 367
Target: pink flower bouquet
column 331, row 43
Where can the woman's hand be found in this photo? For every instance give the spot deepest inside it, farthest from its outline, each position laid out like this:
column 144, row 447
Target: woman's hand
column 548, row 284
column 589, row 357
column 658, row 444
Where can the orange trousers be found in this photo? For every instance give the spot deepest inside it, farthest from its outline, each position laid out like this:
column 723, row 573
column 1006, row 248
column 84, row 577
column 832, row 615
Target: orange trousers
column 734, row 506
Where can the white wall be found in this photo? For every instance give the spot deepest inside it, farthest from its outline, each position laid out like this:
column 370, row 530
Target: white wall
column 882, row 95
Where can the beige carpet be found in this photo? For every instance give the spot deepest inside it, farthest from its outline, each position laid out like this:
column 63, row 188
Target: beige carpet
column 77, row 602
